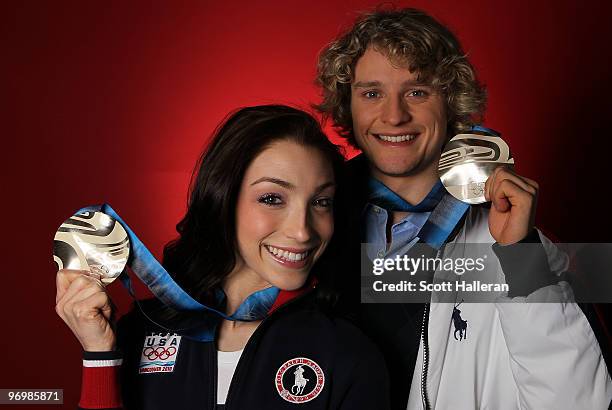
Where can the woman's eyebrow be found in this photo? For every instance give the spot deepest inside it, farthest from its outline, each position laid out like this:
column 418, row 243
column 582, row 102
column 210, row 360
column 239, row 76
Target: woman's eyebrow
column 325, row 185
column 277, row 181
column 289, row 185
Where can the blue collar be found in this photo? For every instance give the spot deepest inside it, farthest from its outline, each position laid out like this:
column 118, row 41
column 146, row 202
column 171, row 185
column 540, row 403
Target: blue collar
column 381, row 195
column 446, row 211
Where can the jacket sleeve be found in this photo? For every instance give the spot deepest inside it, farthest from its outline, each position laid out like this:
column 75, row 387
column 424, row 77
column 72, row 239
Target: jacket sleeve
column 100, row 388
column 555, row 358
column 105, row 372
column 369, row 388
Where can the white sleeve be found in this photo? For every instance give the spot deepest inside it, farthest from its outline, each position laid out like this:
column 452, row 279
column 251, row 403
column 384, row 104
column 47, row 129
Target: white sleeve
column 555, row 358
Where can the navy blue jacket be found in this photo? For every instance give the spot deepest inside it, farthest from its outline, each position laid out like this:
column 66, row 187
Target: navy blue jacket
column 296, row 342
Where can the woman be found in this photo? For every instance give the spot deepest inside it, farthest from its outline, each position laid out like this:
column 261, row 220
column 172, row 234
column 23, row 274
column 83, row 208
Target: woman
column 260, row 216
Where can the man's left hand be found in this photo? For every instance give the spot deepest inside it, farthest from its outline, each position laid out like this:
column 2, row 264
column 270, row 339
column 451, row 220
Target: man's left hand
column 514, row 199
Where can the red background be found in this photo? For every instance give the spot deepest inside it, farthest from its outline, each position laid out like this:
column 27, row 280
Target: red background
column 113, row 102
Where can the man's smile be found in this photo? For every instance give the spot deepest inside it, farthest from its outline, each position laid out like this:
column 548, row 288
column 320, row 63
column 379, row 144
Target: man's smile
column 395, row 138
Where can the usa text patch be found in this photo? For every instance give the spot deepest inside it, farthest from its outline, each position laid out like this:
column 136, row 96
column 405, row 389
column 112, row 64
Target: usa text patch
column 159, row 353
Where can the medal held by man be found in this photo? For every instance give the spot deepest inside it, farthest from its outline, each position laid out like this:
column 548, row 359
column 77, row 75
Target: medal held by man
column 469, row 159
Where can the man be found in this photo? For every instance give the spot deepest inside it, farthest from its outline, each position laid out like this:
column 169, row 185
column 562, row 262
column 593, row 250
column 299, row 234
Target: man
column 398, row 86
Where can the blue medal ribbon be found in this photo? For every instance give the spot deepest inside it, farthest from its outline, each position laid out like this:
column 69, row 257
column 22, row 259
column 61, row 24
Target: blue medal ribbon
column 142, row 262
column 446, row 210
column 383, row 196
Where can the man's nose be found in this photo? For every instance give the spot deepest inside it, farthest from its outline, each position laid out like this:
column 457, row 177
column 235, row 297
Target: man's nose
column 395, row 111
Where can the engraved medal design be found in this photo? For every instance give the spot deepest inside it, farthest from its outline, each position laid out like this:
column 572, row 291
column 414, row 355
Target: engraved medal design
column 92, row 241
column 468, row 160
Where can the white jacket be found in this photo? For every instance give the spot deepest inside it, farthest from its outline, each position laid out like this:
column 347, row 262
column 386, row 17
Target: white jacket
column 515, row 355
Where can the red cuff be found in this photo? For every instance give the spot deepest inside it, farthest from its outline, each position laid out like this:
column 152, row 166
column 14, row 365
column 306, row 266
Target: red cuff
column 100, row 388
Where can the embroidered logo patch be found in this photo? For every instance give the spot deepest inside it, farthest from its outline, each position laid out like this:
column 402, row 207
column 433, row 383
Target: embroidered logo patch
column 299, row 380
column 159, row 353
column 460, row 324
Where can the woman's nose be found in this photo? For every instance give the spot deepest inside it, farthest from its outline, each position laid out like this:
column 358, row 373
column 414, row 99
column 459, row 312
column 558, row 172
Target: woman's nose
column 298, row 226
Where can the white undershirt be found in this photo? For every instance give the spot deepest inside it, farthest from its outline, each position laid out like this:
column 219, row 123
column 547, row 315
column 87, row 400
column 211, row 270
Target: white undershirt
column 226, row 366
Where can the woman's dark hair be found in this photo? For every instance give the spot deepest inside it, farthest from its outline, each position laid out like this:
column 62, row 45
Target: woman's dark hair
column 204, row 253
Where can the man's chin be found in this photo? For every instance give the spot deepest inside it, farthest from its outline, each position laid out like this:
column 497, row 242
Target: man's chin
column 395, row 170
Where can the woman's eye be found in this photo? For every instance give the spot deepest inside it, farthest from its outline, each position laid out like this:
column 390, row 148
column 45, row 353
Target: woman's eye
column 270, row 199
column 324, row 202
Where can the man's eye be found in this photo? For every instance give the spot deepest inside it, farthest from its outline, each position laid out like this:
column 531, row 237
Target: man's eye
column 270, row 199
column 371, row 94
column 418, row 93
column 324, row 202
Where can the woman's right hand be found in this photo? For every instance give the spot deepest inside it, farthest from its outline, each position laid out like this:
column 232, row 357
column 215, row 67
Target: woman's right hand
column 82, row 302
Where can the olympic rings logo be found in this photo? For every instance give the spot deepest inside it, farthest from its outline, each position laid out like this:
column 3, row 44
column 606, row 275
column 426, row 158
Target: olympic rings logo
column 159, row 352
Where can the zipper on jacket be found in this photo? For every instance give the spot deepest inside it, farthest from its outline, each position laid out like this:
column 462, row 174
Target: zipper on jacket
column 215, row 377
column 249, row 344
column 425, row 340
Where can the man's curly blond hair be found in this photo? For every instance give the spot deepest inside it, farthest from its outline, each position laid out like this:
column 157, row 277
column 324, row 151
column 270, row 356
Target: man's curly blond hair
column 412, row 39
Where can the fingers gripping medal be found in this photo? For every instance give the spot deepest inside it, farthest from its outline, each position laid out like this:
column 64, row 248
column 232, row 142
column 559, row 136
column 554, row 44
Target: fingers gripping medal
column 97, row 239
column 92, row 241
column 468, row 160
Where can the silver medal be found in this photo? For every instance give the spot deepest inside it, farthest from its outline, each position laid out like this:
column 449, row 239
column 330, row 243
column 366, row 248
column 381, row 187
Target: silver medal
column 92, row 241
column 468, row 160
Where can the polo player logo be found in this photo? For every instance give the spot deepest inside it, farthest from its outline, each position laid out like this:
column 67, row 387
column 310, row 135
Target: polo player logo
column 460, row 324
column 299, row 380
